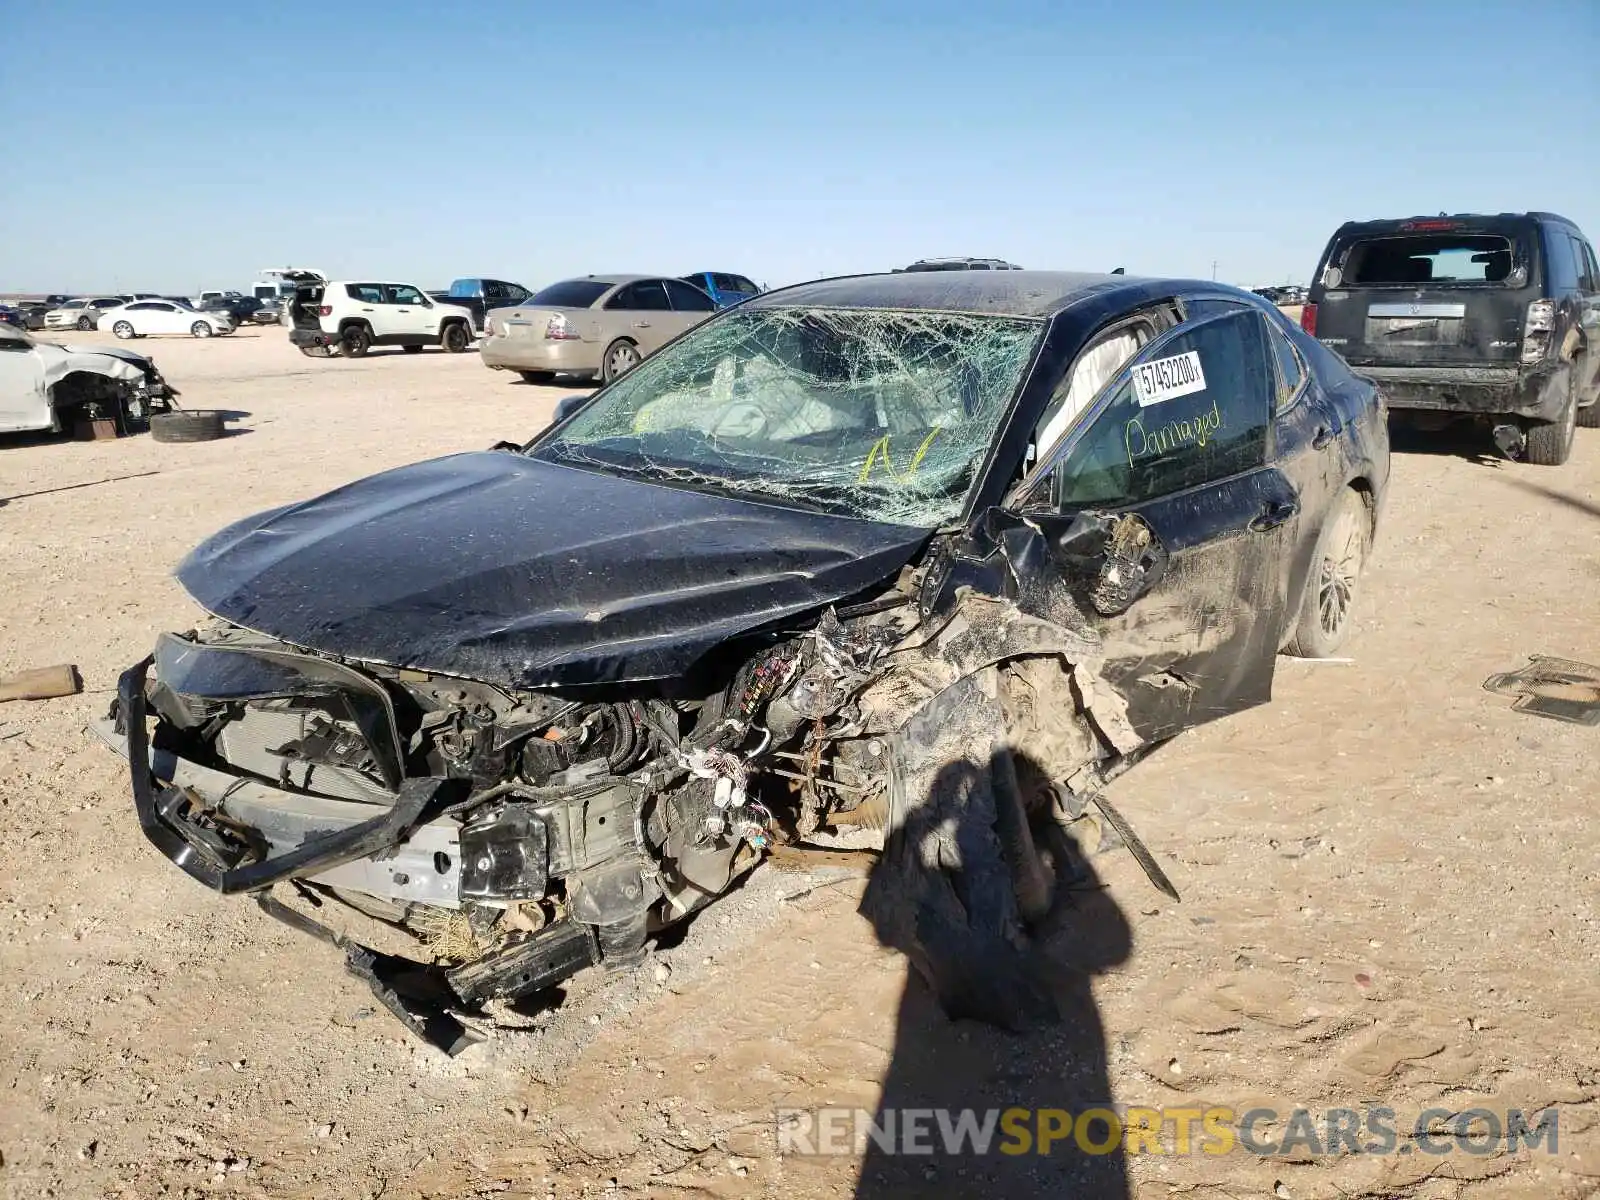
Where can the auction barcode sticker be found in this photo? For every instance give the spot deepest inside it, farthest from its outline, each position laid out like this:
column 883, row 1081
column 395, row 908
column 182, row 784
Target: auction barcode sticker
column 1168, row 378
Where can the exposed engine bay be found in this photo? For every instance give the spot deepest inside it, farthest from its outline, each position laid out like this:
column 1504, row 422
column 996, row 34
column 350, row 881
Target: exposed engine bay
column 516, row 837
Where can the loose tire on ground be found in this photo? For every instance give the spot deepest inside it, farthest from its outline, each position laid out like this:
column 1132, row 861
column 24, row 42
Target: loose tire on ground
column 454, row 338
column 194, row 425
column 537, row 376
column 317, row 351
column 1325, row 618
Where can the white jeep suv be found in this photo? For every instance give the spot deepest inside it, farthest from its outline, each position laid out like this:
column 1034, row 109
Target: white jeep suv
column 333, row 316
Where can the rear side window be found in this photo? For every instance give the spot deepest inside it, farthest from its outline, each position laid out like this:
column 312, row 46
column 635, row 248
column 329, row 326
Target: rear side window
column 1591, row 273
column 1428, row 258
column 364, row 293
column 1291, row 372
column 1187, row 411
column 571, row 293
column 645, row 296
column 688, row 299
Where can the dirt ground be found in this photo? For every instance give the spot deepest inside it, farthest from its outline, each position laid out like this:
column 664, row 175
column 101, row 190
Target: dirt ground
column 1389, row 889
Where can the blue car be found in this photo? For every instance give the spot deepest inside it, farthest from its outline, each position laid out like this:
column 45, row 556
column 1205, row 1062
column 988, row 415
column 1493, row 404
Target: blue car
column 727, row 290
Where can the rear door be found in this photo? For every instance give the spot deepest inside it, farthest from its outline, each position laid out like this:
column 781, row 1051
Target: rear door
column 690, row 305
column 1437, row 293
column 642, row 313
column 1180, row 440
column 368, row 302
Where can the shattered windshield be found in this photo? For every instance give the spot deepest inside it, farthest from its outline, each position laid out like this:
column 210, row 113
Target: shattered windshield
column 871, row 413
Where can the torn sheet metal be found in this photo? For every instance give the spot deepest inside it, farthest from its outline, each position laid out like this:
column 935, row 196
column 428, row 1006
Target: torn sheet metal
column 28, row 378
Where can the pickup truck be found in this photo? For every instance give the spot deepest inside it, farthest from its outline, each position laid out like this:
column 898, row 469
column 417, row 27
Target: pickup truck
column 481, row 296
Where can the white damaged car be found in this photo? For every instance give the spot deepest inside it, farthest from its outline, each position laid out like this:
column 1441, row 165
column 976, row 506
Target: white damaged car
column 44, row 386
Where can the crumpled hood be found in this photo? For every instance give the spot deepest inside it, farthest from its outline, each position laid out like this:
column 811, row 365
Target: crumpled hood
column 498, row 567
column 61, row 361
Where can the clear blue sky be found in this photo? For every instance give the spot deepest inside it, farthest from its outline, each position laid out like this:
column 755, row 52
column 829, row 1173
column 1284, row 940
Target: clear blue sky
column 167, row 146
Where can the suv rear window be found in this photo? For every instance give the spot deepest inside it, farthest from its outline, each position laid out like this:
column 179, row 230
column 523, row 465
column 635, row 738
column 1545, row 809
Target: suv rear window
column 1428, row 258
column 570, row 293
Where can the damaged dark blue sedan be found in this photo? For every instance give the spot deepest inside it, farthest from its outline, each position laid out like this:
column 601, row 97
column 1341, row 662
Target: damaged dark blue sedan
column 534, row 704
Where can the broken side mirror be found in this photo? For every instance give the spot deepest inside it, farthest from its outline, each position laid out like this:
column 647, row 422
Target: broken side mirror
column 1131, row 563
column 568, row 405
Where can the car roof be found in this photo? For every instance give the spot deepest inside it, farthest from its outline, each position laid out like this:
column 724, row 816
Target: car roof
column 1000, row 293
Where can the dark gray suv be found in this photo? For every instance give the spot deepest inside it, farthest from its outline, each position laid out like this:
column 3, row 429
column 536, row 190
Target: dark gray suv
column 1494, row 318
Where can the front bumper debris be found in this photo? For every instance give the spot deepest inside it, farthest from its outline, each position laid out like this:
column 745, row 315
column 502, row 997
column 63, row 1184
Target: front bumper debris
column 320, row 840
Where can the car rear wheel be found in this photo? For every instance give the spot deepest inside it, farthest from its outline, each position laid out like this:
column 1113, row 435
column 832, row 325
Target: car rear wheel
column 85, row 323
column 454, row 338
column 355, row 341
column 537, row 376
column 1327, row 606
column 621, row 357
column 201, row 329
column 123, row 330
column 1550, row 442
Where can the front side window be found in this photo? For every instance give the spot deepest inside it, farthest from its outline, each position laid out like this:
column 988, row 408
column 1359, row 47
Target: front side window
column 886, row 415
column 1190, row 409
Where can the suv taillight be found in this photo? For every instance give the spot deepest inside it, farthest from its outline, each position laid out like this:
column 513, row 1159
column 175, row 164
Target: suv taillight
column 1308, row 318
column 325, row 310
column 559, row 331
column 1536, row 330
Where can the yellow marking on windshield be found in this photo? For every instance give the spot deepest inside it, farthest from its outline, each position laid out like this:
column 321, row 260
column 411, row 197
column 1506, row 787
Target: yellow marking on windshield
column 880, row 450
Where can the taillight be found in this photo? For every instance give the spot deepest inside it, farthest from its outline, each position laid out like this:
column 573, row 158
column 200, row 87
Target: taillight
column 325, row 310
column 1536, row 330
column 559, row 331
column 1308, row 318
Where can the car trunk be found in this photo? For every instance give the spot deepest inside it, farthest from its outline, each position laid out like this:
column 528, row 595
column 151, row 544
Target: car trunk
column 304, row 308
column 1438, row 294
column 533, row 323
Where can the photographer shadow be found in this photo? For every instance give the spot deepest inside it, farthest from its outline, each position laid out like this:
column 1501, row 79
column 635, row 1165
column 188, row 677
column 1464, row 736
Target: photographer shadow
column 996, row 1030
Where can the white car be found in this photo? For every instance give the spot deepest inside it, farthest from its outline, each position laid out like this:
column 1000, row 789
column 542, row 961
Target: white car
column 44, row 386
column 349, row 318
column 145, row 317
column 82, row 313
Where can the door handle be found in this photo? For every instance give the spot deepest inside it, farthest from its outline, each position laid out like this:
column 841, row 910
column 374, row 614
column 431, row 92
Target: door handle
column 1273, row 514
column 366, row 310
column 641, row 324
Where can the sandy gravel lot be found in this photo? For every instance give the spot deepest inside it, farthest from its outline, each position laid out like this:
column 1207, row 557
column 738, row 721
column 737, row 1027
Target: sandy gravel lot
column 1389, row 879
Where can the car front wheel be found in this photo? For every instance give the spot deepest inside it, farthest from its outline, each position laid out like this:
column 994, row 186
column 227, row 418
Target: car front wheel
column 1325, row 619
column 85, row 323
column 201, row 329
column 123, row 330
column 454, row 338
